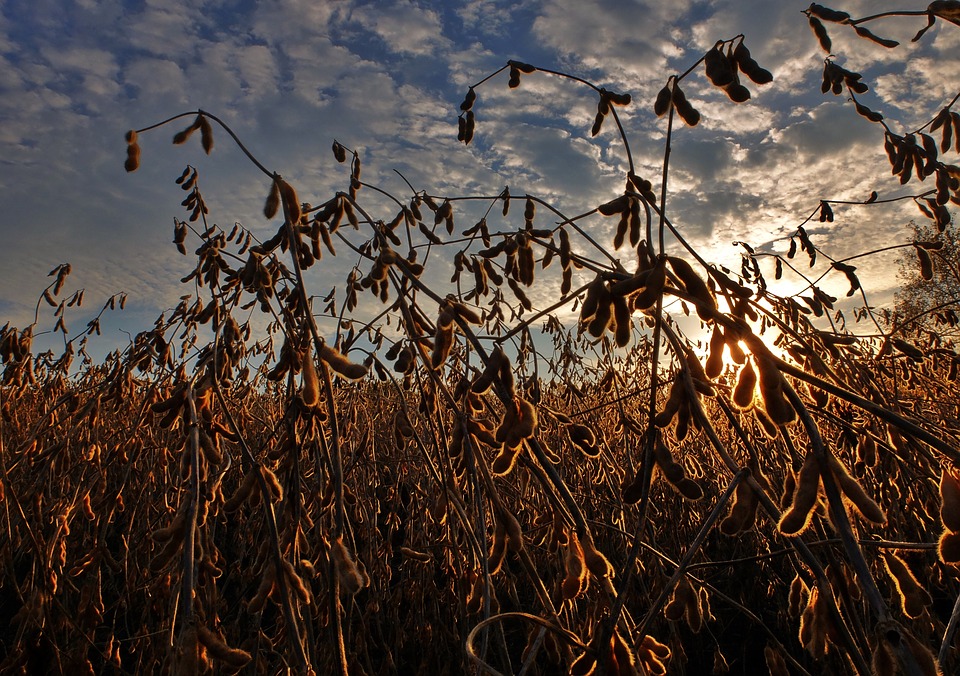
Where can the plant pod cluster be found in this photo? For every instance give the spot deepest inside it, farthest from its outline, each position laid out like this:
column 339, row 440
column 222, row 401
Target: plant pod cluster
column 627, row 206
column 817, row 628
column 602, row 310
column 914, row 599
column 796, row 519
column 771, row 383
column 722, row 70
column 854, row 493
column 677, row 405
column 517, row 67
column 616, row 659
column 687, row 603
column 674, row 472
column 519, row 423
column 835, row 77
column 353, row 575
column 607, row 99
column 477, row 591
column 949, row 546
column 672, row 95
column 652, row 656
column 644, row 289
column 890, row 638
column 696, row 287
column 749, row 67
column 584, row 439
column 949, row 121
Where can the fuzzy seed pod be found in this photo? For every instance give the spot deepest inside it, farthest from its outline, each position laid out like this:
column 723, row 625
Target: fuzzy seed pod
column 797, row 597
column 683, row 596
column 244, row 491
column 310, row 389
column 775, row 662
column 272, row 205
column 775, row 402
column 948, row 548
column 696, row 287
column 662, row 104
column 652, row 656
column 671, row 406
column 743, row 393
column 576, row 579
column 621, row 316
column 273, row 483
column 290, row 201
column 206, row 134
column 219, row 650
column 913, row 597
column 950, row 500
column 340, row 364
column 714, row 365
column 267, row 583
column 350, row 576
column 854, row 492
column 743, row 512
column 506, row 459
column 597, row 563
column 797, row 518
column 132, row 162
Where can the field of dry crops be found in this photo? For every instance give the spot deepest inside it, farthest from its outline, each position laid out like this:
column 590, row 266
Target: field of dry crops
column 460, row 482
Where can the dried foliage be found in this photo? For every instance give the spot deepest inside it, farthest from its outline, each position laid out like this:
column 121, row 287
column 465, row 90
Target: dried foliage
column 460, row 481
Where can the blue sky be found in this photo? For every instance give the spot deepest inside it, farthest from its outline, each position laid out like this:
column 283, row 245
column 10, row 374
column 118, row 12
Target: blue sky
column 385, row 78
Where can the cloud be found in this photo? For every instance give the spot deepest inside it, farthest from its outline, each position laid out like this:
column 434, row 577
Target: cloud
column 386, row 79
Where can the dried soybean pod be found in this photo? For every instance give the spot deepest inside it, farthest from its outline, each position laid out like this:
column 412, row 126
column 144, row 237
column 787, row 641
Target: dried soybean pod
column 797, row 518
column 290, row 201
column 695, row 286
column 775, row 662
column 347, row 569
column 950, row 500
column 340, row 364
column 514, row 532
column 219, row 649
column 621, row 316
column 798, row 596
column 714, row 366
column 576, row 568
column 854, row 492
column 948, row 548
column 206, row 134
column 597, row 563
column 683, row 596
column 913, row 597
column 664, row 97
column 656, row 280
column 743, row 393
column 246, row 488
column 310, row 391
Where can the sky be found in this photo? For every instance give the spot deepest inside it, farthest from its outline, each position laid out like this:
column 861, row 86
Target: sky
column 385, row 78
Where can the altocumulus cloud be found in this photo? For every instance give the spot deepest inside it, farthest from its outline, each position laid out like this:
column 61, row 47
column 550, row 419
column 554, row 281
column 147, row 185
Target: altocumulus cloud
column 385, row 78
